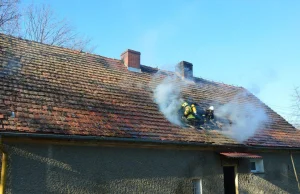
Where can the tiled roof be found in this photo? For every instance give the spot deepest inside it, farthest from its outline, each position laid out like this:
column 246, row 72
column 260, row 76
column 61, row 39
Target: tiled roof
column 53, row 90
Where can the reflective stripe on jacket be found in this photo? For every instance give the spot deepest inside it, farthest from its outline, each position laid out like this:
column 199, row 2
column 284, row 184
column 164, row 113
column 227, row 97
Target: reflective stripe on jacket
column 188, row 113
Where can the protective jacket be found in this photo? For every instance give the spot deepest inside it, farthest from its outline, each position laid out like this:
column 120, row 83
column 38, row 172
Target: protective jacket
column 188, row 113
column 209, row 114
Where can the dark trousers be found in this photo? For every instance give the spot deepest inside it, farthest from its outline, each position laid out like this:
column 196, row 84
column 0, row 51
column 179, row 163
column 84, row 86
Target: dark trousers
column 191, row 122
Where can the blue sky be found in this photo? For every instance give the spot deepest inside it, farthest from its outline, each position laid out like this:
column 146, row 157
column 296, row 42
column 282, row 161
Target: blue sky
column 249, row 43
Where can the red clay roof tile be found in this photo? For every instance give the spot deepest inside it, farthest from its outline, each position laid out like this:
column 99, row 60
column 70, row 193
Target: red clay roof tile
column 61, row 91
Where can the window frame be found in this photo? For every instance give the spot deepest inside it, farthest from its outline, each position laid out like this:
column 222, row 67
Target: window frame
column 259, row 165
column 197, row 186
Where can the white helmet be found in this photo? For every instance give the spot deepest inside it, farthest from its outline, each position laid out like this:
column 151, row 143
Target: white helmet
column 211, row 108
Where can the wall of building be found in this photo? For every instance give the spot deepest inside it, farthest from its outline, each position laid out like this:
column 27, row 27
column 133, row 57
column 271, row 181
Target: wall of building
column 279, row 176
column 40, row 168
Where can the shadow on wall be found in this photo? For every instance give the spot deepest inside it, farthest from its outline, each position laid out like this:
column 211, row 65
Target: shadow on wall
column 42, row 159
column 81, row 169
column 72, row 169
column 251, row 183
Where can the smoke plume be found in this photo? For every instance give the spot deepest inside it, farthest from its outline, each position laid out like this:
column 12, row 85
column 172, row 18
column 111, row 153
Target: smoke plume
column 167, row 96
column 239, row 120
column 245, row 119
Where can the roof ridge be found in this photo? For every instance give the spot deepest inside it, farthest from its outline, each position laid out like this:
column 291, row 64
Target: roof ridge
column 55, row 46
column 118, row 60
column 174, row 73
column 221, row 83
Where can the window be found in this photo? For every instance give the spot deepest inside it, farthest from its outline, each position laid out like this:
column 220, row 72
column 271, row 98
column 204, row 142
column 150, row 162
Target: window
column 197, row 186
column 257, row 165
column 253, row 167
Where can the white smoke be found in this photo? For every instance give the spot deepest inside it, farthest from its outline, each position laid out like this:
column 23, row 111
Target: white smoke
column 167, row 96
column 245, row 119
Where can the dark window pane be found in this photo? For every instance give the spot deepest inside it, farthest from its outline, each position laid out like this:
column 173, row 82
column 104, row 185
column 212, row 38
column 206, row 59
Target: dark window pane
column 197, row 186
column 253, row 167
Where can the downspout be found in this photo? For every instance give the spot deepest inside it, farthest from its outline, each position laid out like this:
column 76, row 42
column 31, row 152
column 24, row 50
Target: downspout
column 3, row 167
column 295, row 171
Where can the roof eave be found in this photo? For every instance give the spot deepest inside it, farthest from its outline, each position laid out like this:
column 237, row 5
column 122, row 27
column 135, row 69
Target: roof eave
column 138, row 140
column 115, row 139
column 255, row 147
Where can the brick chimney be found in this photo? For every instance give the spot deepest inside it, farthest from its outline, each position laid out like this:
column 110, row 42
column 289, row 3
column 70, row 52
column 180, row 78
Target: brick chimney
column 185, row 69
column 131, row 60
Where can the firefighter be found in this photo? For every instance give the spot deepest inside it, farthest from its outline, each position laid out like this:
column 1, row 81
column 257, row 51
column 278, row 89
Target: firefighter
column 209, row 114
column 188, row 113
column 209, row 118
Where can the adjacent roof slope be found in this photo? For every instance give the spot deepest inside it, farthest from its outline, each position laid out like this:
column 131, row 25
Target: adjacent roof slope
column 53, row 90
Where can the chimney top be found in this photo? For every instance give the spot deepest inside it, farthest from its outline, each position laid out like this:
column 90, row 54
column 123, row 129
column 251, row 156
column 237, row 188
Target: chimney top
column 185, row 69
column 132, row 60
column 131, row 51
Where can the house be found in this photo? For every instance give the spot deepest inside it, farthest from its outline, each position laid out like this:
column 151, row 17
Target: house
column 74, row 122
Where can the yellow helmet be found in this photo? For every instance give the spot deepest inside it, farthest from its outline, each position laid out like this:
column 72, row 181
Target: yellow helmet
column 184, row 104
